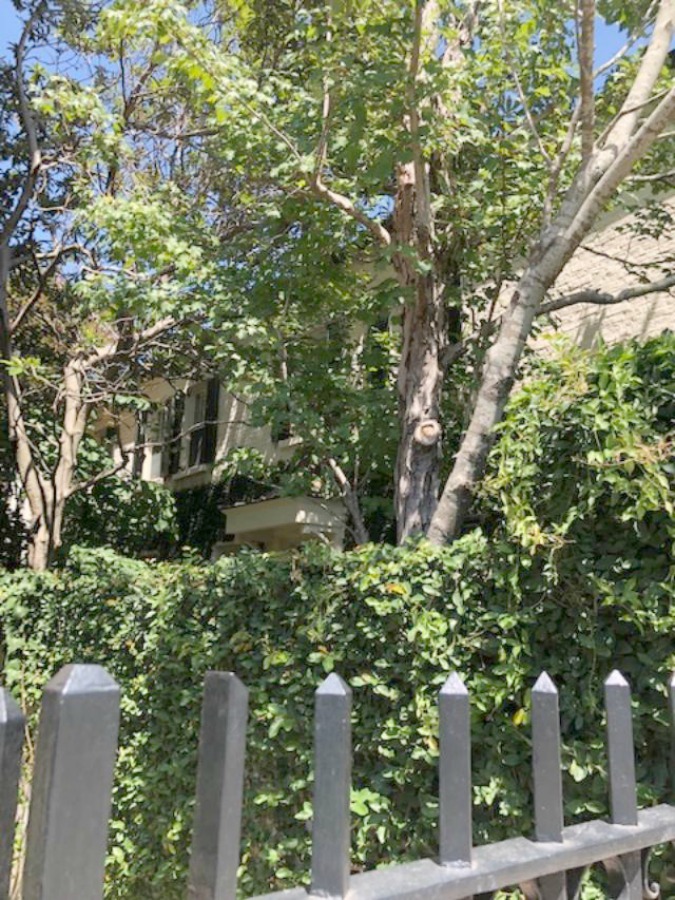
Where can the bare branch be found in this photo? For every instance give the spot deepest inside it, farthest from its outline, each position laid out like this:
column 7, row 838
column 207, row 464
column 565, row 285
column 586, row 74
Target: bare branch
column 657, row 176
column 632, row 40
column 351, row 501
column 114, row 349
column 633, row 149
column 604, row 299
column 558, row 163
column 641, row 89
column 95, row 479
column 519, row 87
column 29, row 126
column 341, row 201
column 378, row 231
column 43, row 278
column 586, row 44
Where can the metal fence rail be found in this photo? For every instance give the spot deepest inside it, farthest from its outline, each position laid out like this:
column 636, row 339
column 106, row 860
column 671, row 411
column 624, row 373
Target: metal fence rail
column 72, row 783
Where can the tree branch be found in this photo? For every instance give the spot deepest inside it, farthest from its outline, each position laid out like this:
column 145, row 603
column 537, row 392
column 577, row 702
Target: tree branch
column 95, row 479
column 625, row 158
column 378, row 231
column 351, row 501
column 605, row 299
column 634, row 37
column 43, row 277
column 28, row 122
column 650, row 68
column 113, row 349
column 586, row 45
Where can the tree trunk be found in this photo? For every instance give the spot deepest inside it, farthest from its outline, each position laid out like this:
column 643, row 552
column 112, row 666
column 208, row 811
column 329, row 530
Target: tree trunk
column 420, row 370
column 40, row 547
column 420, row 379
column 34, row 486
column 500, row 369
column 46, row 493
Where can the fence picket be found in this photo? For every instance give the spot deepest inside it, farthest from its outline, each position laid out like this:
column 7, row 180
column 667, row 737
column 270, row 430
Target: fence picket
column 72, row 783
column 620, row 750
column 70, row 800
column 671, row 711
column 548, row 799
column 455, row 800
column 12, row 725
column 625, row 872
column 332, row 785
column 214, row 859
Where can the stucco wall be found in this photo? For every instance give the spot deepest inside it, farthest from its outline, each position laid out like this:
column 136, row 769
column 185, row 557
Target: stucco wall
column 600, row 264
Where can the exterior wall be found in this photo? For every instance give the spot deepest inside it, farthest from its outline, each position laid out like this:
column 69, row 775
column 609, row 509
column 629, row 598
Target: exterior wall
column 232, row 432
column 611, row 260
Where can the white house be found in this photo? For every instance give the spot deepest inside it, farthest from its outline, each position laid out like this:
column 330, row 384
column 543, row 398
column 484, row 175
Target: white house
column 183, row 446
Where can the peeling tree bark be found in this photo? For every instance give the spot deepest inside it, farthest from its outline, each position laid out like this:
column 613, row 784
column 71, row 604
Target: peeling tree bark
column 420, row 370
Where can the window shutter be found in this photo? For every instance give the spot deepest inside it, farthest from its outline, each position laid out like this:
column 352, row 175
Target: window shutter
column 139, row 450
column 174, row 441
column 211, row 421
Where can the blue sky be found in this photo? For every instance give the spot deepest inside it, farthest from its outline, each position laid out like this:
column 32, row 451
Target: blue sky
column 609, row 38
column 9, row 25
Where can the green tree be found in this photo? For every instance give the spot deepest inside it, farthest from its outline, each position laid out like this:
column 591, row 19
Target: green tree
column 100, row 279
column 465, row 147
column 295, row 176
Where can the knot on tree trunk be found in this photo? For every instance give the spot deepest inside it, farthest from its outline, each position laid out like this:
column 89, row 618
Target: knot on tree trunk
column 427, row 433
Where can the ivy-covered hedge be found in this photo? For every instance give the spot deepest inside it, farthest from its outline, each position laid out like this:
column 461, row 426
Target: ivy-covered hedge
column 394, row 623
column 572, row 571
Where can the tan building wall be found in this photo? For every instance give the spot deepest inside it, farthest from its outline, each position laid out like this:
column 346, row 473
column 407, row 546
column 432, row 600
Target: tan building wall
column 610, row 260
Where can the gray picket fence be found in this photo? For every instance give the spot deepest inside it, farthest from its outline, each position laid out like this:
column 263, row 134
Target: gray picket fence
column 70, row 800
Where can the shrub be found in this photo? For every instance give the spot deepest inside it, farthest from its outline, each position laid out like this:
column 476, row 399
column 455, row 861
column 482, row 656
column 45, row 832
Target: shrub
column 394, row 622
column 572, row 572
column 131, row 516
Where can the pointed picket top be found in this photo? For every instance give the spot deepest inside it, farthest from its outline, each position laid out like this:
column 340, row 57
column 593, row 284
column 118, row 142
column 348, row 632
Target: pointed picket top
column 72, row 784
column 545, row 685
column 333, row 686
column 454, row 772
column 81, row 679
column 454, row 686
column 547, row 772
column 616, row 679
column 228, row 684
column 216, row 838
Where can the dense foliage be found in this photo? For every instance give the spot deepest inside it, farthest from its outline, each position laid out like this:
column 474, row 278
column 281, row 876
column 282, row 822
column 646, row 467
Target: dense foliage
column 570, row 571
column 314, row 200
column 394, row 622
column 131, row 516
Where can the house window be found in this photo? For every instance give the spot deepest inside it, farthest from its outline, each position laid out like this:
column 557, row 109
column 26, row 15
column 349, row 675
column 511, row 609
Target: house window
column 204, row 428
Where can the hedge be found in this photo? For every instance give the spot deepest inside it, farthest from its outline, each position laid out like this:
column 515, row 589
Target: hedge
column 394, row 623
column 571, row 570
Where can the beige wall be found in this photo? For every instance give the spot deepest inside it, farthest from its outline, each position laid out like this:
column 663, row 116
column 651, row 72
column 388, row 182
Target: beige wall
column 599, row 265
